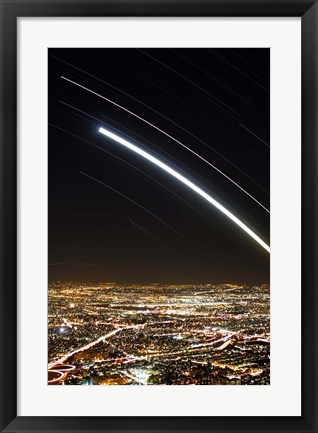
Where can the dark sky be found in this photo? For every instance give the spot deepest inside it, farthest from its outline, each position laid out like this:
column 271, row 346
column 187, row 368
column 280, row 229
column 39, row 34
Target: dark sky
column 114, row 216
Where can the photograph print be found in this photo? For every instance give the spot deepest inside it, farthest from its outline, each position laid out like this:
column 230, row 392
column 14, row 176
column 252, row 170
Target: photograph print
column 158, row 216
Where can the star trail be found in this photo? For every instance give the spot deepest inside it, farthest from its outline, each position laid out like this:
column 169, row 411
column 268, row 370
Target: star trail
column 185, row 181
column 197, row 126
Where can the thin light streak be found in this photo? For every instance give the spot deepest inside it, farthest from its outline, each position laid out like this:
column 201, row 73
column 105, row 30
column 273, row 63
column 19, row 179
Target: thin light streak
column 137, row 204
column 186, row 182
column 211, row 97
column 253, row 133
column 149, row 234
column 165, row 117
column 137, row 169
column 167, row 135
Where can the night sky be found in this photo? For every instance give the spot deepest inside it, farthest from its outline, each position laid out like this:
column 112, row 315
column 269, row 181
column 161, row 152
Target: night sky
column 116, row 217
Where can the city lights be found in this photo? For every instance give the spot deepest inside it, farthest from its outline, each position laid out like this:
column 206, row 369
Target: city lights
column 191, row 334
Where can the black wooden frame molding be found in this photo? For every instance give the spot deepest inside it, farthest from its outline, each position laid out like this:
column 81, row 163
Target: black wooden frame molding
column 10, row 10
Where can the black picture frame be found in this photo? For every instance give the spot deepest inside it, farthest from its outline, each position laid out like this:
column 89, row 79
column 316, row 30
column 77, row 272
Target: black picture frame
column 10, row 11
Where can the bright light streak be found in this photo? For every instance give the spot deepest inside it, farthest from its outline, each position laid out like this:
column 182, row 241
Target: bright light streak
column 163, row 132
column 186, row 182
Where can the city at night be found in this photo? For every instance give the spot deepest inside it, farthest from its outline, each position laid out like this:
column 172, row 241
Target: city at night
column 159, row 216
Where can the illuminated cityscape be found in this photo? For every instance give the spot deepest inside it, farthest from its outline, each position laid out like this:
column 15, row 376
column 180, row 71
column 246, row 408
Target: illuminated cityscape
column 111, row 334
column 159, row 184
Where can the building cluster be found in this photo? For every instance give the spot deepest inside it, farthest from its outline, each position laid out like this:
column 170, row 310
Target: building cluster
column 160, row 334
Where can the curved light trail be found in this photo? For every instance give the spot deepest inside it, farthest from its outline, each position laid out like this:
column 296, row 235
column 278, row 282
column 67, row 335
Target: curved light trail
column 140, row 171
column 149, row 234
column 186, row 182
column 137, row 204
column 167, row 135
